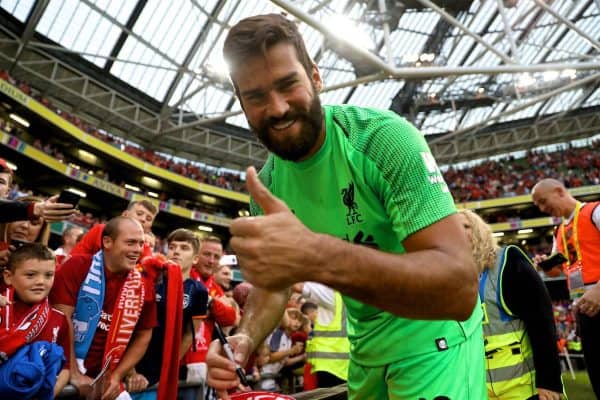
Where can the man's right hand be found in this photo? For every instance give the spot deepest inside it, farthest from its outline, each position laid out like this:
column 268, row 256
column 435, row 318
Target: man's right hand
column 5, row 255
column 51, row 211
column 552, row 273
column 82, row 383
column 538, row 258
column 221, row 371
column 296, row 348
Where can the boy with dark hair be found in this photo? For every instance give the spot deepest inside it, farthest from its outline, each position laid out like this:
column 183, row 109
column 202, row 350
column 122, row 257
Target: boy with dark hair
column 183, row 247
column 282, row 350
column 32, row 331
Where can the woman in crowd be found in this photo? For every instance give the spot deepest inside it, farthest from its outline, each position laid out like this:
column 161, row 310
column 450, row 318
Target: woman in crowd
column 520, row 336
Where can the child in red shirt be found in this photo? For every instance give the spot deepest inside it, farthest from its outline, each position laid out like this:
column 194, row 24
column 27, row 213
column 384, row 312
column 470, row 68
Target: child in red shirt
column 26, row 315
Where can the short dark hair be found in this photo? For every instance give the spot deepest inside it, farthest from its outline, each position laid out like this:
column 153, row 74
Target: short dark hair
column 147, row 204
column 29, row 251
column 308, row 306
column 185, row 235
column 255, row 35
column 111, row 229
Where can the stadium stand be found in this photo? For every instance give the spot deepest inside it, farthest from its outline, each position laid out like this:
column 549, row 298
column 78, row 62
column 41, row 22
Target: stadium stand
column 103, row 107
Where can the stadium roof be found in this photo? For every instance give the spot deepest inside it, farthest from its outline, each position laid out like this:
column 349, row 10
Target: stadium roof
column 454, row 68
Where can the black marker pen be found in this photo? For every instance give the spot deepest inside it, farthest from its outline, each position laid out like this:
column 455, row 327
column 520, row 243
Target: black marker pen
column 229, row 352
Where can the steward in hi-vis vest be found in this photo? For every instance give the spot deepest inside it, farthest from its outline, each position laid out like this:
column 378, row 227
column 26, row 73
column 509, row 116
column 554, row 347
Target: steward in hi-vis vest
column 329, row 347
column 510, row 360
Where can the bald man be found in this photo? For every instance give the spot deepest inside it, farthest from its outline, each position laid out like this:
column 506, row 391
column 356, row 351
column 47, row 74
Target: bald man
column 578, row 238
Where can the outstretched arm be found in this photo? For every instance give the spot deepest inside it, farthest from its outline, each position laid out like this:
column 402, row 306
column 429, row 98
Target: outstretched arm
column 435, row 279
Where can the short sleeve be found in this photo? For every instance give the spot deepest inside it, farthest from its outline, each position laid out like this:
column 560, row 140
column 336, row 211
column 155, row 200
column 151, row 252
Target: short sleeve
column 68, row 280
column 405, row 175
column 198, row 300
column 63, row 340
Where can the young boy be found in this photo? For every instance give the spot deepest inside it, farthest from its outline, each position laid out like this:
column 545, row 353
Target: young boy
column 283, row 353
column 183, row 246
column 27, row 317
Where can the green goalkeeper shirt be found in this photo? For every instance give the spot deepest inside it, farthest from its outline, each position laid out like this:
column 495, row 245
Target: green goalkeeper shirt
column 374, row 182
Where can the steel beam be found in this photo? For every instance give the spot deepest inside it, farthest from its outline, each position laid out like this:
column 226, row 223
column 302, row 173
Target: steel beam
column 584, row 81
column 32, row 20
column 200, row 38
column 558, row 129
column 508, row 30
column 595, row 44
column 466, row 30
column 430, row 72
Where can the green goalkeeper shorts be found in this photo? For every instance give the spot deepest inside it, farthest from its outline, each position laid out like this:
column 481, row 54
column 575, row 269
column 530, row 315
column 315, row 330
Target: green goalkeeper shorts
column 457, row 373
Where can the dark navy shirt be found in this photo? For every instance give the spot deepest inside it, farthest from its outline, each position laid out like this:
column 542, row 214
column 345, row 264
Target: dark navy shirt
column 195, row 300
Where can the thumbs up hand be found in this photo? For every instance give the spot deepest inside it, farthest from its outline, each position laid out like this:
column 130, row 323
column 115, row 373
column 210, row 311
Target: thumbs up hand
column 273, row 250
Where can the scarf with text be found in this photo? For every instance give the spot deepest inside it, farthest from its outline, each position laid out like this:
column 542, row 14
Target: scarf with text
column 15, row 335
column 88, row 308
column 124, row 318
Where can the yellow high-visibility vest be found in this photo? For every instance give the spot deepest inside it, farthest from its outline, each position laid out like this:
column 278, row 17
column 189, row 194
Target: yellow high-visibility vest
column 509, row 357
column 329, row 347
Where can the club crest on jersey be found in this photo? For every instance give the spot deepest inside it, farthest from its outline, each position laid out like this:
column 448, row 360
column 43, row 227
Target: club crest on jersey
column 353, row 216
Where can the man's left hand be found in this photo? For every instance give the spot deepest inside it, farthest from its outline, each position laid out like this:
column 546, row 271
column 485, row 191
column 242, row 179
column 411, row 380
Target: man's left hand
column 545, row 394
column 589, row 303
column 113, row 388
column 136, row 382
column 273, row 250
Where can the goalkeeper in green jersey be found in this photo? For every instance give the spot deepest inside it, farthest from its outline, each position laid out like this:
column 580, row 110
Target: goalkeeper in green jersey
column 351, row 198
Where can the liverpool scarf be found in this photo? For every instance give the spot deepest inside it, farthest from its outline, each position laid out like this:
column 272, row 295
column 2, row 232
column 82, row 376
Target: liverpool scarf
column 124, row 318
column 15, row 335
column 167, row 386
column 88, row 308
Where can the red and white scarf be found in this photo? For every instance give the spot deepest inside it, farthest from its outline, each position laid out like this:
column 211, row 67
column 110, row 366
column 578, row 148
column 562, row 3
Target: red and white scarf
column 124, row 318
column 14, row 335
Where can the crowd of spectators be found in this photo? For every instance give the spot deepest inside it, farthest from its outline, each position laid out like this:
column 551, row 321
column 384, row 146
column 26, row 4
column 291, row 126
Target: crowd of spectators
column 63, row 157
column 512, row 177
column 505, row 177
column 193, row 170
column 568, row 340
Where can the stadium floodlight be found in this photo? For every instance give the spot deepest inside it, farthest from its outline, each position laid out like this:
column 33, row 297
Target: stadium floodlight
column 550, row 75
column 78, row 192
column 208, row 199
column 347, row 31
column 524, row 231
column 131, row 187
column 87, row 156
column 11, row 165
column 153, row 183
column 19, row 119
column 568, row 73
column 205, row 228
column 498, row 234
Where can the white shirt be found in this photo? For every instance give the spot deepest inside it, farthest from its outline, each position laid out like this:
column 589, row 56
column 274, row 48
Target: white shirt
column 324, row 297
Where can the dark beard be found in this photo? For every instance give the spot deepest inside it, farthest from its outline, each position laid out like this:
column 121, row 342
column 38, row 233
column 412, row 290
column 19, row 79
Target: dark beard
column 299, row 147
